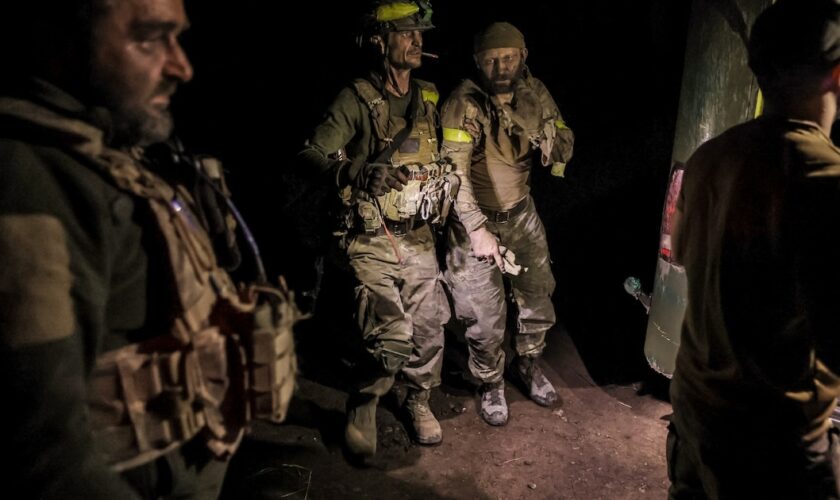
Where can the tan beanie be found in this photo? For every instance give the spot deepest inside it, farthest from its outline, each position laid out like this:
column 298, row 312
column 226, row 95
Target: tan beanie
column 498, row 36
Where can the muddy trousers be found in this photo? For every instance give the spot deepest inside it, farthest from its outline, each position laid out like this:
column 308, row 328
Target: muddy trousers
column 401, row 308
column 478, row 292
column 751, row 465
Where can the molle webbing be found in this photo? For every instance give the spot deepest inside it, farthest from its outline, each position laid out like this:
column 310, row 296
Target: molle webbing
column 148, row 398
column 421, row 114
column 143, row 404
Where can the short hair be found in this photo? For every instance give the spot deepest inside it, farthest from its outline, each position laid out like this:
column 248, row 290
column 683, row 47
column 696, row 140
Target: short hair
column 794, row 44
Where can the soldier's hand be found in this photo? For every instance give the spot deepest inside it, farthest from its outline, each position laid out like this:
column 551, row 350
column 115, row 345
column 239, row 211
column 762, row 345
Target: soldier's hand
column 397, row 177
column 380, row 178
column 485, row 246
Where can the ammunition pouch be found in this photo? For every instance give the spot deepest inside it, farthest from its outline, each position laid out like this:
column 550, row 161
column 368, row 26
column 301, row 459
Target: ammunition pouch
column 148, row 398
column 227, row 355
column 399, row 205
column 429, row 194
column 272, row 364
column 369, row 219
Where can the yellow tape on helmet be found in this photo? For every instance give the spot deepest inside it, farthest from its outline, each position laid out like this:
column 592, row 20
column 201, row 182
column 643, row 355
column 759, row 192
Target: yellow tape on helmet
column 397, row 10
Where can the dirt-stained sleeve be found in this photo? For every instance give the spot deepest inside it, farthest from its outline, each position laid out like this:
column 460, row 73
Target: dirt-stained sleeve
column 460, row 134
column 562, row 147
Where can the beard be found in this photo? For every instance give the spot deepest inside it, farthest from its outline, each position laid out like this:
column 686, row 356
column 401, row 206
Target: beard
column 135, row 126
column 502, row 83
column 134, row 122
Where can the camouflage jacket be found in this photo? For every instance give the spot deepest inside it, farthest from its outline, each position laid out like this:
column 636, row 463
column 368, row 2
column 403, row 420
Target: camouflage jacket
column 489, row 142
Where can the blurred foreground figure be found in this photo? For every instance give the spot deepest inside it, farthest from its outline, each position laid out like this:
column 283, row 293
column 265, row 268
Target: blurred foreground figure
column 756, row 374
column 130, row 363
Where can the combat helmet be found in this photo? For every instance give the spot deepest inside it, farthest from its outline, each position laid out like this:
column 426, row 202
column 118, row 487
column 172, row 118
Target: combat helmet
column 387, row 16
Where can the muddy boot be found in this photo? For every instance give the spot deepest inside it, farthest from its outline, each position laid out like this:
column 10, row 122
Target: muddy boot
column 360, row 433
column 494, row 409
column 539, row 388
column 426, row 426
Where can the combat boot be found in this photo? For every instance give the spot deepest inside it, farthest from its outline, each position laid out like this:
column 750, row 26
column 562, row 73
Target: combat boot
column 426, row 426
column 494, row 409
column 539, row 388
column 360, row 433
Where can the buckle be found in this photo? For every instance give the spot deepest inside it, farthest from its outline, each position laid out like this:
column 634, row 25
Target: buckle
column 501, row 217
column 398, row 228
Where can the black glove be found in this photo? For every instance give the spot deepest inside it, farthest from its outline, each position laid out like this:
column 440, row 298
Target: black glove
column 380, row 178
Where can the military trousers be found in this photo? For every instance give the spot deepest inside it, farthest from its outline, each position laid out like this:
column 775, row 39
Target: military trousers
column 478, row 291
column 401, row 306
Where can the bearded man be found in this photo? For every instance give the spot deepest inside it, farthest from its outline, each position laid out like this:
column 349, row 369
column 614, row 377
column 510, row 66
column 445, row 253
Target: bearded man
column 493, row 131
column 126, row 348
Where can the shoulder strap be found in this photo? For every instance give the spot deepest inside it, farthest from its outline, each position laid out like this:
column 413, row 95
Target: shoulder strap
column 375, row 102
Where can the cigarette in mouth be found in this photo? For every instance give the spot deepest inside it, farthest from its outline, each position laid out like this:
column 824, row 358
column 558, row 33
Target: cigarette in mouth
column 429, row 54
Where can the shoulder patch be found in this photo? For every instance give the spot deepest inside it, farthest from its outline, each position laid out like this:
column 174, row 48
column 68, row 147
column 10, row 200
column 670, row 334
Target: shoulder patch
column 35, row 280
column 430, row 96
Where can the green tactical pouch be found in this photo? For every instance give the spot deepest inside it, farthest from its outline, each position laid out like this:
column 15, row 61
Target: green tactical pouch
column 272, row 364
column 369, row 217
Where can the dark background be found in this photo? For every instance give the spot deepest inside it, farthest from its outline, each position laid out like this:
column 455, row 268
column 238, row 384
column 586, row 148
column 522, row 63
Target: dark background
column 265, row 75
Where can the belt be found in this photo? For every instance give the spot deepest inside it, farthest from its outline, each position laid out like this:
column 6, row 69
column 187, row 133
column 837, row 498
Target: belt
column 399, row 228
column 503, row 216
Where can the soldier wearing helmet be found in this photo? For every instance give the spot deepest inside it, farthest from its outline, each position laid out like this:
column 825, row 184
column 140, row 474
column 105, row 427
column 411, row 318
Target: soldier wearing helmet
column 377, row 147
column 494, row 130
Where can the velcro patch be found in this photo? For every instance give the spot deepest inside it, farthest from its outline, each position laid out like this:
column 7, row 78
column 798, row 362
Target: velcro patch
column 35, row 280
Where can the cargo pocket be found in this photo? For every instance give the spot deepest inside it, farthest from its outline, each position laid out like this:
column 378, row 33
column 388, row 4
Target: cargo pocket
column 364, row 313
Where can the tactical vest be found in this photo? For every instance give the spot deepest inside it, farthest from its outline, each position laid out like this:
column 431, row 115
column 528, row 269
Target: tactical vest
column 228, row 356
column 431, row 188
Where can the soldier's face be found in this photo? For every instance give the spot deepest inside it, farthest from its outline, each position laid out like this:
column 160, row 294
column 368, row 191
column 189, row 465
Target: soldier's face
column 137, row 63
column 500, row 68
column 405, row 49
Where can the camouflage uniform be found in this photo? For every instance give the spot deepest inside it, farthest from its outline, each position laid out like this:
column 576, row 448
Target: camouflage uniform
column 122, row 342
column 480, row 139
column 401, row 308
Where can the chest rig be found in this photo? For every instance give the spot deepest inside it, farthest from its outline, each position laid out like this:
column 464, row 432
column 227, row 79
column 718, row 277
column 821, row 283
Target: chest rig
column 228, row 357
column 431, row 187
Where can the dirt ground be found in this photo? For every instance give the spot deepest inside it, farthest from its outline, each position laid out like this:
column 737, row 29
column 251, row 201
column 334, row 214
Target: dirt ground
column 599, row 442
